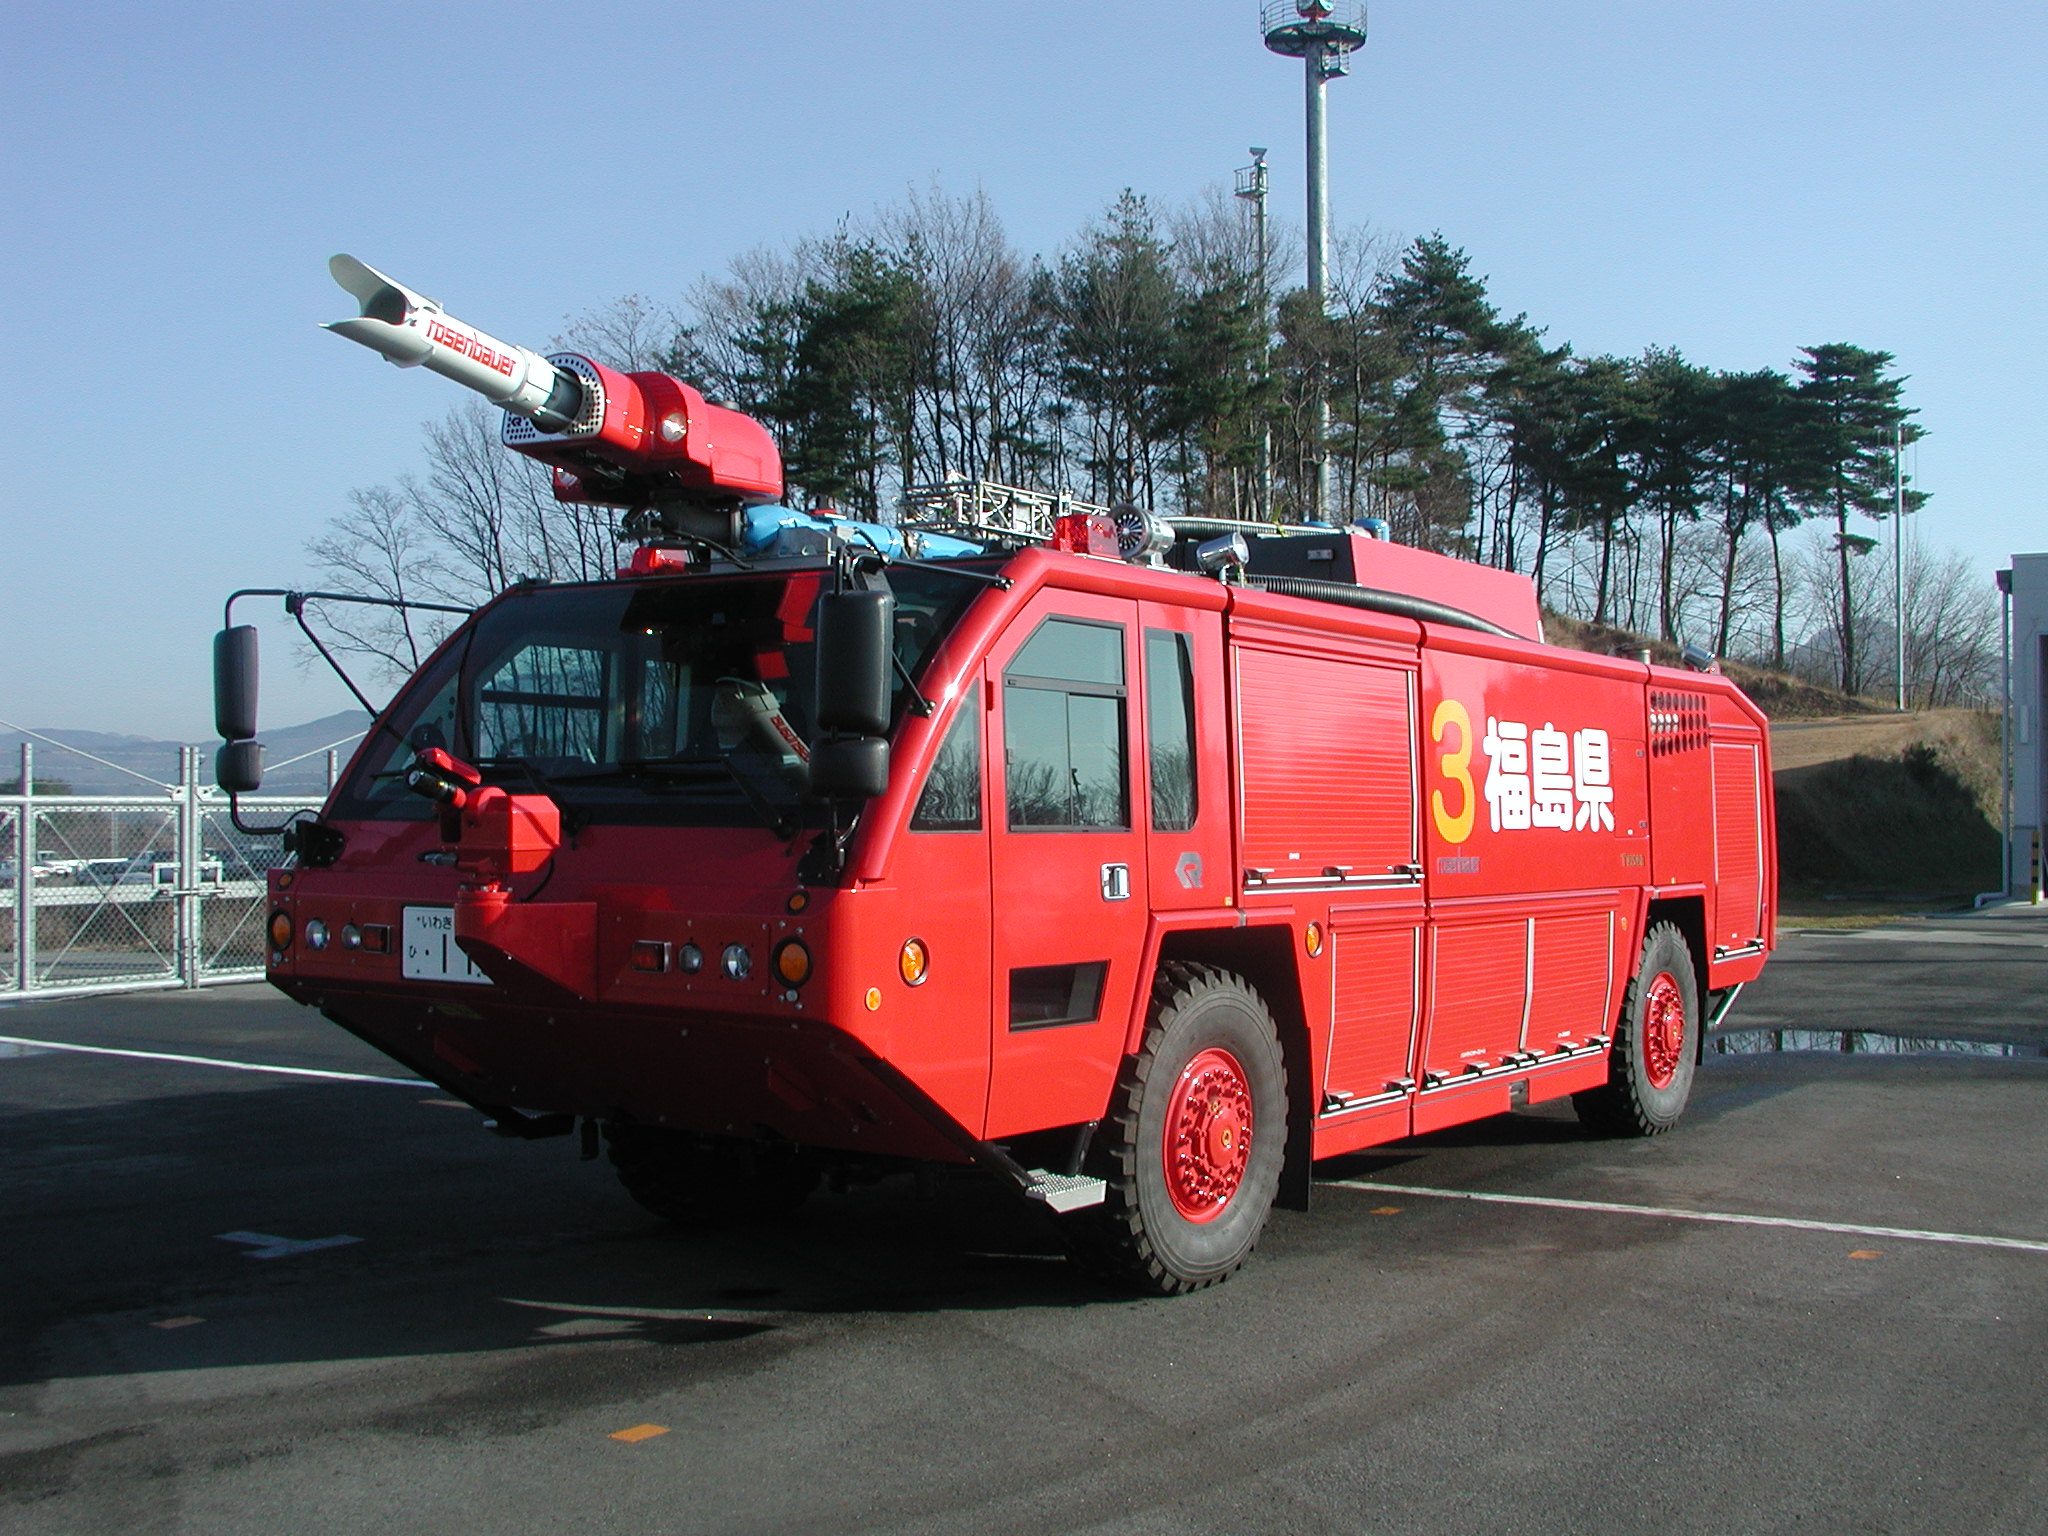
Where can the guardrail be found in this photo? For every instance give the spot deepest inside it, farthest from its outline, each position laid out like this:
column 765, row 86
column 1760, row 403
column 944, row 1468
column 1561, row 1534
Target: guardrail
column 111, row 893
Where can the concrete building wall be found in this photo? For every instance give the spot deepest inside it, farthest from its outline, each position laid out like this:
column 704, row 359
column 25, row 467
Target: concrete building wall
column 2029, row 706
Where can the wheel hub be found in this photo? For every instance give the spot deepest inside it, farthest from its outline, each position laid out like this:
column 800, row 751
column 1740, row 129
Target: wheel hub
column 1208, row 1138
column 1663, row 1030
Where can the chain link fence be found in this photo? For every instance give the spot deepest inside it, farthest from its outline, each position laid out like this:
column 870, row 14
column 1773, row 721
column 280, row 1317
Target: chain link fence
column 103, row 893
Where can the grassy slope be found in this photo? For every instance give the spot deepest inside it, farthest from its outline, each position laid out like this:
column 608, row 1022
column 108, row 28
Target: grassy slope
column 1872, row 806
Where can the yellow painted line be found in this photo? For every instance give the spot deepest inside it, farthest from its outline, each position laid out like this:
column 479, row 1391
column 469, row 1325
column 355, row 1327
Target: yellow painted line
column 640, row 1432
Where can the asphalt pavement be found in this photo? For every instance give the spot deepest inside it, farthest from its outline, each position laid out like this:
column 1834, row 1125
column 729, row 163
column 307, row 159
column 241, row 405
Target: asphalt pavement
column 239, row 1301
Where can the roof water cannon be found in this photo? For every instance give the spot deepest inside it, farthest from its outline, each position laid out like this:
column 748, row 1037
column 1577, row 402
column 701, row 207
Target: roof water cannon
column 643, row 441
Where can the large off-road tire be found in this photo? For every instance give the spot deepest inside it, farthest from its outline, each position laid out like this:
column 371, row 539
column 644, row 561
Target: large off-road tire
column 1656, row 1044
column 709, row 1181
column 1195, row 1139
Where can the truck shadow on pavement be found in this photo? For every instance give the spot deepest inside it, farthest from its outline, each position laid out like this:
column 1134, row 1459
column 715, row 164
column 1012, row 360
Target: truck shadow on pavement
column 456, row 1241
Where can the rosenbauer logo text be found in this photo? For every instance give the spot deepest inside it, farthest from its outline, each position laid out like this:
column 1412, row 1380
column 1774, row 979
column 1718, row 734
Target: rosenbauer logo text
column 469, row 346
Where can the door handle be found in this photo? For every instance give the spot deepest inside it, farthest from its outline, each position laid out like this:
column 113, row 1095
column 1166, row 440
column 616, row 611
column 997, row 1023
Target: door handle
column 1116, row 882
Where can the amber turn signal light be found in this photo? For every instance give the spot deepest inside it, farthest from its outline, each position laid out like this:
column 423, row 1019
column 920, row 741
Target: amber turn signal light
column 1312, row 938
column 793, row 962
column 915, row 962
column 280, row 930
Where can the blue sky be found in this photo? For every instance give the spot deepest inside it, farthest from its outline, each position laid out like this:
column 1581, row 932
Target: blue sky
column 1735, row 180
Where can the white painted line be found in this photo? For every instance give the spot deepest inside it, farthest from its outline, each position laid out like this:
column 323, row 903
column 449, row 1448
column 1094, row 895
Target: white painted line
column 1953, row 936
column 1729, row 1218
column 211, row 1061
column 263, row 1246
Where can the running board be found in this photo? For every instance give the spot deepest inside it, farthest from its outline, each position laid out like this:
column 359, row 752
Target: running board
column 1721, row 1009
column 1058, row 1192
column 1064, row 1192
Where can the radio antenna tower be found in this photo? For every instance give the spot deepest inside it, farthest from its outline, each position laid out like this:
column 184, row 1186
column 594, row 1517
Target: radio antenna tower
column 1322, row 34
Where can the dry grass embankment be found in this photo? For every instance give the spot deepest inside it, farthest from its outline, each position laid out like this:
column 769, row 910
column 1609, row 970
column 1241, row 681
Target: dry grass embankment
column 1878, row 813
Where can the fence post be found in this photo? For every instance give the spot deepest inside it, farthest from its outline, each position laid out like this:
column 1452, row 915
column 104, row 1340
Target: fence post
column 189, row 841
column 24, row 875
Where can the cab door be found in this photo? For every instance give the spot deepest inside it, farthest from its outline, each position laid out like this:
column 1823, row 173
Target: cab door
column 1068, row 881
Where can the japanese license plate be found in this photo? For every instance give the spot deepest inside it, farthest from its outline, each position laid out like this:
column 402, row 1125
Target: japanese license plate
column 430, row 951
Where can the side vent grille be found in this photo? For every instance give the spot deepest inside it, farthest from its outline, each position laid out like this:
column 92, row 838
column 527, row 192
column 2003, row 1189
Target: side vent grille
column 1678, row 722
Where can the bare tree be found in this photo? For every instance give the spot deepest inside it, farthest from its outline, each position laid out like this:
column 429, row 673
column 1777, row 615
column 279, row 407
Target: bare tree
column 976, row 365
column 632, row 333
column 481, row 519
column 1951, row 629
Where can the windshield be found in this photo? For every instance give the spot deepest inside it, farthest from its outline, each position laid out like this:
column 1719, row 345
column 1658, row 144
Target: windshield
column 685, row 702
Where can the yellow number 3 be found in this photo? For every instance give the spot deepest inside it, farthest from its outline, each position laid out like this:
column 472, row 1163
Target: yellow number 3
column 1456, row 765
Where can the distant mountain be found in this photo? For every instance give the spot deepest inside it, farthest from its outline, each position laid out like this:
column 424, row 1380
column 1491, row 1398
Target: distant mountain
column 157, row 761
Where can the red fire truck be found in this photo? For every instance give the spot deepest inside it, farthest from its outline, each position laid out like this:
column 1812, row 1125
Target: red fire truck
column 1142, row 871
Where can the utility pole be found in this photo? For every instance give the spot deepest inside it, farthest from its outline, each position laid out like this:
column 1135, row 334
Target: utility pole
column 1251, row 186
column 1898, row 562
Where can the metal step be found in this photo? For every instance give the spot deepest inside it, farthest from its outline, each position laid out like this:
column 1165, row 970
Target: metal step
column 1065, row 1192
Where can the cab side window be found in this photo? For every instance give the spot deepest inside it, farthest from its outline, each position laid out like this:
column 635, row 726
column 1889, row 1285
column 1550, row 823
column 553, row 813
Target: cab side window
column 1170, row 728
column 1064, row 728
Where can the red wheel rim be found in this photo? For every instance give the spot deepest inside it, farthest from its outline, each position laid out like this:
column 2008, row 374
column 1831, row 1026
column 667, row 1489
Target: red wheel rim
column 1208, row 1138
column 1663, row 1030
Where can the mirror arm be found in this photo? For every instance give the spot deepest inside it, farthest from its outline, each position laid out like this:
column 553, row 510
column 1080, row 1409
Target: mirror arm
column 295, row 605
column 290, row 596
column 918, row 701
column 241, row 826
column 1000, row 583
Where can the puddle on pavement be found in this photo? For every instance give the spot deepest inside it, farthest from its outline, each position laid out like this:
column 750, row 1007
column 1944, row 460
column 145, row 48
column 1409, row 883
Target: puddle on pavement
column 1860, row 1042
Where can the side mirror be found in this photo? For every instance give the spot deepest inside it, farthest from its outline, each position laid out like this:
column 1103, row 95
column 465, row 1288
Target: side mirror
column 854, row 637
column 850, row 768
column 234, row 683
column 238, row 766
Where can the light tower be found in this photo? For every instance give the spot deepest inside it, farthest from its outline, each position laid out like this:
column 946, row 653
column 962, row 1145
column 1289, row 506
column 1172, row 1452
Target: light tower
column 1251, row 186
column 1321, row 33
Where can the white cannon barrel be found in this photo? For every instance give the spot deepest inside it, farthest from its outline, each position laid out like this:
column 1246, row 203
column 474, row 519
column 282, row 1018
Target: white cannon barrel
column 412, row 330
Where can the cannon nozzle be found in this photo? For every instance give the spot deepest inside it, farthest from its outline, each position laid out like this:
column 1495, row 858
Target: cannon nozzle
column 411, row 330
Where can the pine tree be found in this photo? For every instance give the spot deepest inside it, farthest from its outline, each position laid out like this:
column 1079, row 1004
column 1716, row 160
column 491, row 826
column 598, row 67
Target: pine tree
column 1850, row 411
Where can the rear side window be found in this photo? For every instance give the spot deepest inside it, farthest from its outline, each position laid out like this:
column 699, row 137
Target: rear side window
column 1064, row 728
column 1170, row 725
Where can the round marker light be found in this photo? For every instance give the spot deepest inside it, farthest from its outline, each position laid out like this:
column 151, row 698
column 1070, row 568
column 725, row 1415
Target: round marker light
column 280, row 930
column 316, row 934
column 675, row 426
column 873, row 999
column 351, row 936
column 793, row 962
column 914, row 962
column 690, row 959
column 798, row 900
column 1312, row 937
column 736, row 962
